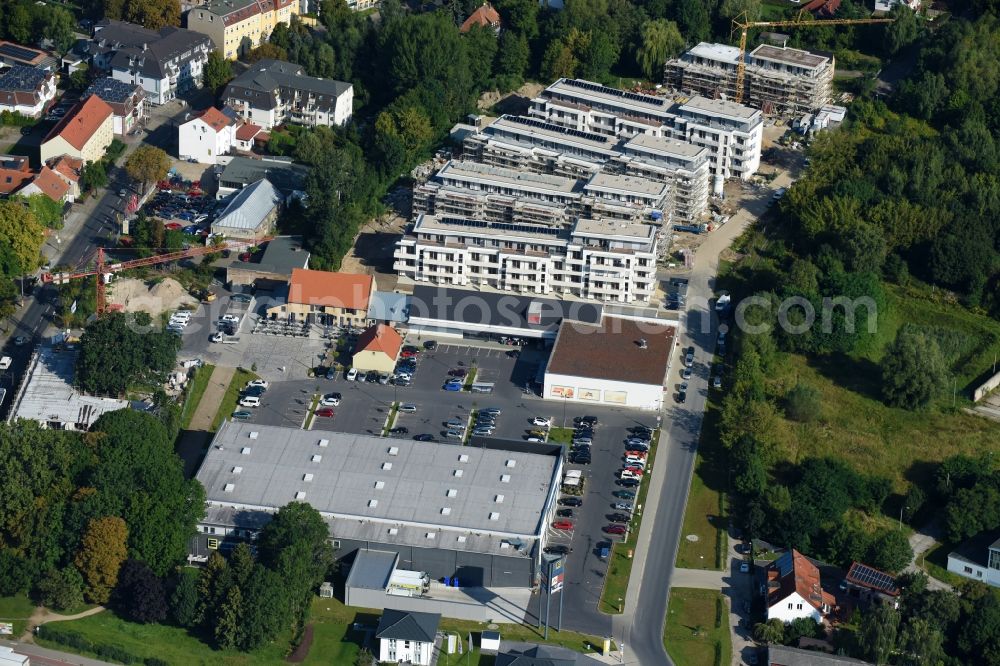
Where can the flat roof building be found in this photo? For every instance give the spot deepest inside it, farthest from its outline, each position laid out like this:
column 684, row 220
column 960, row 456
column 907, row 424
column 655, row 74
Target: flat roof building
column 49, row 397
column 271, row 267
column 479, row 513
column 630, row 371
column 239, row 172
column 777, row 79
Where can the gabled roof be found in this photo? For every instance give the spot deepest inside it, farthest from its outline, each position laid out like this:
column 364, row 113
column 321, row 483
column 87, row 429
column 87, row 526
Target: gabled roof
column 380, row 338
column 408, row 626
column 248, row 131
column 251, row 205
column 81, row 122
column 485, row 16
column 340, row 290
column 263, row 83
column 794, row 573
column 214, row 118
column 863, row 575
column 50, row 184
column 68, row 167
column 11, row 180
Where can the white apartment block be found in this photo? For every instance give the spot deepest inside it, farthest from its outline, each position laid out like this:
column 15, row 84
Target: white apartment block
column 601, row 260
column 731, row 132
column 526, row 143
column 778, row 80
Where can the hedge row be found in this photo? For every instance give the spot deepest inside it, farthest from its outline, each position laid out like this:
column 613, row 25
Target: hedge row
column 80, row 643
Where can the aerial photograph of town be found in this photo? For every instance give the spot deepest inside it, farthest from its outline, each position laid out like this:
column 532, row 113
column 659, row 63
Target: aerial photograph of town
column 500, row 332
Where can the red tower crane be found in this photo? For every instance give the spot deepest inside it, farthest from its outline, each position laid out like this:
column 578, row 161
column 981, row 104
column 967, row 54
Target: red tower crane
column 104, row 270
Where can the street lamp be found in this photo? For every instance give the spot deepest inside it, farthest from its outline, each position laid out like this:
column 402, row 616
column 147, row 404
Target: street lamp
column 901, row 515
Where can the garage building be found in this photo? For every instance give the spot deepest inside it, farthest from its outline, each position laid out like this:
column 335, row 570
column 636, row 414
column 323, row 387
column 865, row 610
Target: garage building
column 476, row 513
column 630, row 371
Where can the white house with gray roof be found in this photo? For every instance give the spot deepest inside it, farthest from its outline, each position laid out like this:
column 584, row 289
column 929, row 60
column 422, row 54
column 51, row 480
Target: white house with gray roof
column 407, row 637
column 273, row 92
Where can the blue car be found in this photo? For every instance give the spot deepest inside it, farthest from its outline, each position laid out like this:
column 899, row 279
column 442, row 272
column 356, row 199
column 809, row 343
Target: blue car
column 452, row 386
column 192, row 229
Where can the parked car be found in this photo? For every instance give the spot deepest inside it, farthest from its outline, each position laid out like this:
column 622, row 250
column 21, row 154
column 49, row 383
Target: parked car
column 250, row 401
column 558, row 549
column 242, row 415
column 717, row 382
column 562, row 525
column 458, row 372
column 452, row 386
column 482, row 432
column 495, row 411
column 624, row 494
column 352, row 374
column 407, row 407
column 618, row 517
column 615, row 529
column 325, row 412
column 399, row 430
column 622, row 506
column 331, row 400
column 571, row 501
column 262, row 383
column 255, row 391
column 628, row 483
column 424, row 438
column 454, row 434
column 564, row 513
column 541, row 421
column 331, row 373
column 534, row 440
column 590, row 420
column 744, row 567
column 455, row 424
column 686, row 374
column 430, row 345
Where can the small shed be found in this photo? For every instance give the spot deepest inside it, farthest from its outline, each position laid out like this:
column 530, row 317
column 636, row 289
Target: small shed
column 489, row 641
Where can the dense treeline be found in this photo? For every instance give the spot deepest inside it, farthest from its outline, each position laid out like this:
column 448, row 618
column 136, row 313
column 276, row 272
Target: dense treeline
column 35, row 24
column 76, row 506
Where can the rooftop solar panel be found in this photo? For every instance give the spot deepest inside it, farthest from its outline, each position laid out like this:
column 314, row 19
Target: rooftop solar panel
column 864, row 575
column 21, row 78
column 784, row 564
column 18, row 52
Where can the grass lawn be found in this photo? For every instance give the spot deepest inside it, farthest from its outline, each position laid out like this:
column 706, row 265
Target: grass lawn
column 562, row 436
column 232, row 396
column 16, row 610
column 703, row 517
column 619, row 563
column 935, row 563
column 197, row 389
column 695, row 633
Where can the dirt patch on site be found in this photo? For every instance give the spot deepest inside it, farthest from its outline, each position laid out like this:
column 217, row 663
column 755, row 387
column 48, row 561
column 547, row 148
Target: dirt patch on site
column 302, row 649
column 512, row 102
column 137, row 296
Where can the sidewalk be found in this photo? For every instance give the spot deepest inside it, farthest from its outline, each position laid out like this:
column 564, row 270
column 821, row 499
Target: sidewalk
column 218, row 384
column 45, row 657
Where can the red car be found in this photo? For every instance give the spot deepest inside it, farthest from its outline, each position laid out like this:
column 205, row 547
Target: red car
column 325, row 411
column 408, row 354
column 614, row 529
column 562, row 525
column 172, row 226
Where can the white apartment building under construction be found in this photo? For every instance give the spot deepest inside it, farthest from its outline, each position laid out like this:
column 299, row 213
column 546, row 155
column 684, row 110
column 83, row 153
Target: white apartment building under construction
column 603, row 260
column 544, row 148
column 778, row 80
column 731, row 132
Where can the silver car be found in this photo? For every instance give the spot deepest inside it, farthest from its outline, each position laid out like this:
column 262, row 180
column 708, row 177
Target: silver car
column 455, row 434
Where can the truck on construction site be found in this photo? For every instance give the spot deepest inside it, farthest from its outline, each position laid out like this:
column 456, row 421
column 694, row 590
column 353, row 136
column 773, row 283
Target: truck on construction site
column 693, row 228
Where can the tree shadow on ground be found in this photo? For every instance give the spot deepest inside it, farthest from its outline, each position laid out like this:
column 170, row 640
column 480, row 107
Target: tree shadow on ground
column 858, row 375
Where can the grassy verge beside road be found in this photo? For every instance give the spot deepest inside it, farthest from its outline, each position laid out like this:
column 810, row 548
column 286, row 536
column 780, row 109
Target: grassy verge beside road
column 228, row 404
column 16, row 610
column 620, row 562
column 562, row 436
column 197, row 389
column 703, row 536
column 334, row 641
column 697, row 629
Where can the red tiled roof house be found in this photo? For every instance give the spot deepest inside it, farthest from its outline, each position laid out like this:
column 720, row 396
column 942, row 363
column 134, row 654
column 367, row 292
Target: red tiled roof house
column 794, row 589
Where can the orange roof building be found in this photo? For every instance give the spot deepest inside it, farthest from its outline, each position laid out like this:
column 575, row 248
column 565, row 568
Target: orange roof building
column 485, row 16
column 377, row 349
column 15, row 173
column 794, row 589
column 69, row 169
column 326, row 298
column 49, row 183
column 84, row 133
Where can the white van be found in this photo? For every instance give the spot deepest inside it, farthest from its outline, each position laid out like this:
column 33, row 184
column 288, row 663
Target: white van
column 250, row 401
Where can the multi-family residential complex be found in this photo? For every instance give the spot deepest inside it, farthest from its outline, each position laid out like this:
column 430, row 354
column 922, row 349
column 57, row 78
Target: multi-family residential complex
column 730, row 132
column 603, row 260
column 26, row 90
column 163, row 62
column 236, row 26
column 545, row 148
column 777, row 79
column 272, row 92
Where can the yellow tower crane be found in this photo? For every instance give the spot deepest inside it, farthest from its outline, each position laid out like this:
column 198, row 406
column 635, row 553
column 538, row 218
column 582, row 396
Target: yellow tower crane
column 802, row 20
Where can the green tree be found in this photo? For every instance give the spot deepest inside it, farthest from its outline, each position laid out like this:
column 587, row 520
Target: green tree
column 123, row 349
column 512, row 60
column 139, row 595
column 23, row 235
column 147, row 164
column 661, row 39
column 184, row 601
column 46, row 211
column 903, row 31
column 803, row 403
column 481, row 45
column 693, row 19
column 241, row 564
column 141, row 479
column 744, row 10
column 217, row 72
column 19, row 23
column 102, row 551
column 913, row 370
column 229, row 629
column 214, row 583
column 920, row 643
column 890, row 551
column 772, row 631
column 94, row 176
column 265, row 608
column 877, row 636
column 61, row 589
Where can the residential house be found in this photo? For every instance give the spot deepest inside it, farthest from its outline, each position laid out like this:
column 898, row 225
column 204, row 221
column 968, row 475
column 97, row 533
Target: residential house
column 407, row 637
column 251, row 213
column 12, row 54
column 272, row 92
column 15, row 173
column 127, row 102
column 69, row 169
column 247, row 135
column 377, row 349
column 85, row 132
column 236, row 26
column 867, row 585
column 978, row 559
column 26, row 90
column 326, row 298
column 207, row 136
column 484, row 16
column 49, row 183
column 793, row 589
column 164, row 62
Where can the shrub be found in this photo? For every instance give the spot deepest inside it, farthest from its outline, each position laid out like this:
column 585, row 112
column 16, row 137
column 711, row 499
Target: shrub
column 803, row 403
